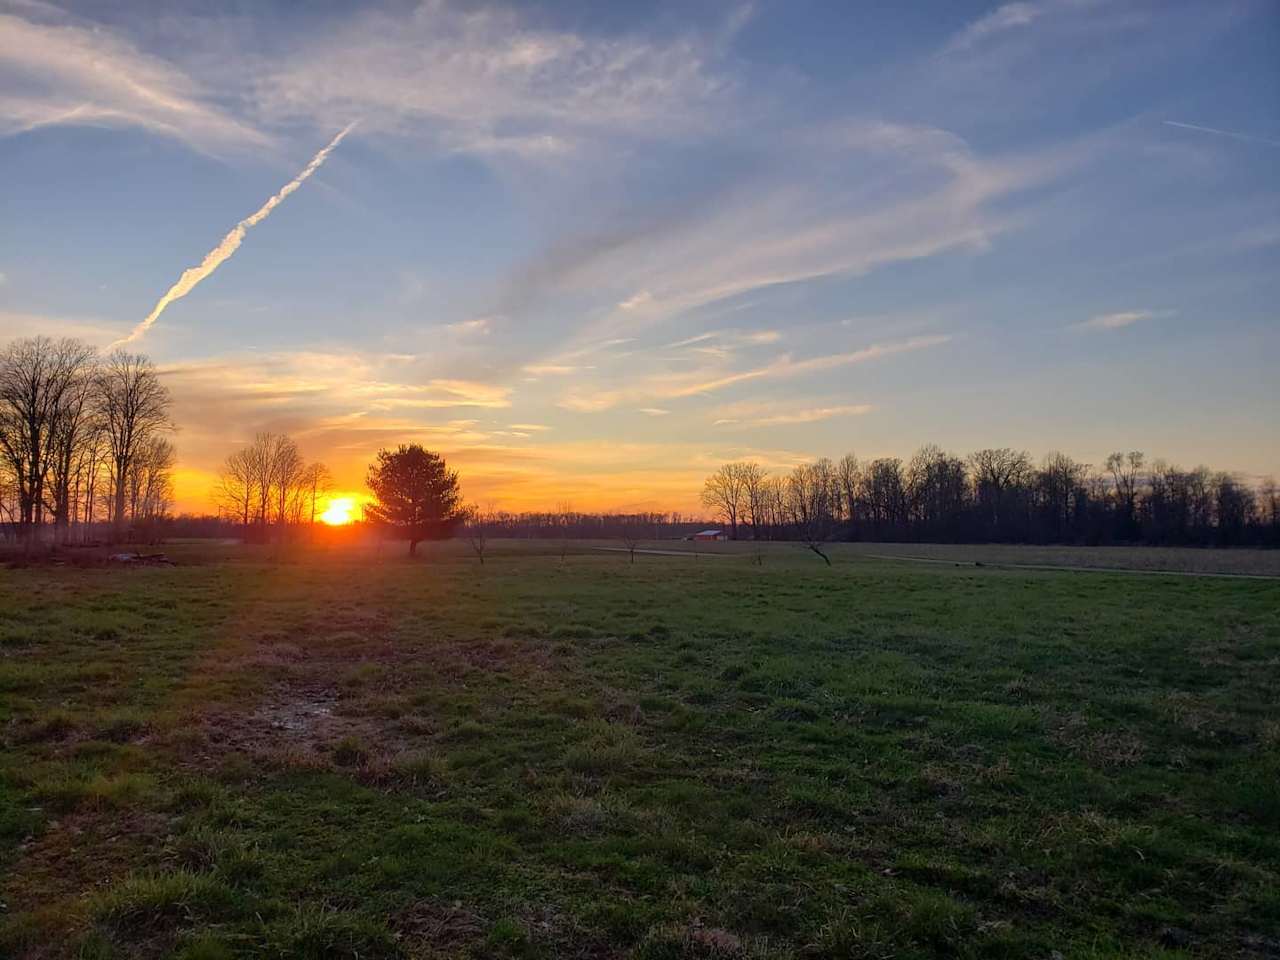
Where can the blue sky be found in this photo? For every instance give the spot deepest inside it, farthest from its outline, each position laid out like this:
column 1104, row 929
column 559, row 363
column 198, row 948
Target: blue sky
column 591, row 250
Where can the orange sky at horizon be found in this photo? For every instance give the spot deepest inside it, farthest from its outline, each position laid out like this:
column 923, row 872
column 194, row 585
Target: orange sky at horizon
column 524, row 443
column 196, row 494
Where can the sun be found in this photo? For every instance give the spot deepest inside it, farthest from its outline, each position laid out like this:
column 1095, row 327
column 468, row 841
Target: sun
column 339, row 511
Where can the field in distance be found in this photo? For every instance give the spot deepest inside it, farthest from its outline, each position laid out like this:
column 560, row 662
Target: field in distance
column 344, row 753
column 1243, row 562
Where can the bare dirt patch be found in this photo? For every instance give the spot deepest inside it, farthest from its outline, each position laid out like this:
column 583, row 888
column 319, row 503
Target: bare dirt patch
column 437, row 928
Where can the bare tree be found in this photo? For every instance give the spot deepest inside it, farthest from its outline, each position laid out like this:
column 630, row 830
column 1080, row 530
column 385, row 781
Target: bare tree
column 724, row 491
column 1269, row 503
column 809, row 490
column 37, row 377
column 73, row 421
column 268, row 483
column 134, row 407
column 8, row 506
column 1125, row 470
column 477, row 523
column 235, row 490
column 753, row 479
column 151, row 483
column 563, row 517
column 1059, row 483
column 632, row 536
column 997, row 473
column 286, row 468
column 936, row 489
column 91, row 459
column 848, row 473
column 316, row 481
column 883, row 495
column 775, row 503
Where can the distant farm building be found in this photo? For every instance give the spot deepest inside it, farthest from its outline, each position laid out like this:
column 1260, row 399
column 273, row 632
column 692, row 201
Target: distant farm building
column 710, row 535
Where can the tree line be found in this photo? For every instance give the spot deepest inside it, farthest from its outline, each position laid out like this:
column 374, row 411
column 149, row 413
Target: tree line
column 84, row 447
column 267, row 486
column 996, row 495
column 566, row 522
column 85, row 452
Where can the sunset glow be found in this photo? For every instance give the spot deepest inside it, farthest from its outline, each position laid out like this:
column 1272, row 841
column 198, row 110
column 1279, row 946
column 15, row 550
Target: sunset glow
column 339, row 511
column 931, row 231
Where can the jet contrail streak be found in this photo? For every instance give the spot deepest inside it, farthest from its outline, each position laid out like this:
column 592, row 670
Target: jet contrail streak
column 1247, row 138
column 230, row 243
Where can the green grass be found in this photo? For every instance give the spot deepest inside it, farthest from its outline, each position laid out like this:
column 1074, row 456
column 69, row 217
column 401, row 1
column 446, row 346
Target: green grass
column 366, row 757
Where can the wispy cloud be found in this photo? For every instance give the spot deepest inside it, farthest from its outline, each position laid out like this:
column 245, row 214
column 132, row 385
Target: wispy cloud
column 1016, row 24
column 655, row 411
column 665, row 385
column 933, row 195
column 478, row 325
column 791, row 417
column 62, row 72
column 786, row 367
column 353, row 382
column 1120, row 319
column 730, row 338
column 1008, row 16
column 1243, row 137
column 488, row 81
column 814, row 414
column 591, row 401
column 553, row 369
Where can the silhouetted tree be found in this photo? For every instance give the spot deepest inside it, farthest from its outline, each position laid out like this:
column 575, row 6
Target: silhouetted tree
column 632, row 536
column 725, row 492
column 43, row 388
column 478, row 522
column 236, row 484
column 1125, row 470
column 996, row 494
column 753, row 496
column 809, row 493
column 134, row 407
column 316, row 480
column 417, row 495
column 1000, row 479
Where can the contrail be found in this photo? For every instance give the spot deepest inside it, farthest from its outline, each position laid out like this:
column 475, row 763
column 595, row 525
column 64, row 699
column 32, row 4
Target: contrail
column 1247, row 138
column 230, row 243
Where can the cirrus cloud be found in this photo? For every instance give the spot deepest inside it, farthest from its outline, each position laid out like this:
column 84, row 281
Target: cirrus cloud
column 56, row 71
column 1120, row 319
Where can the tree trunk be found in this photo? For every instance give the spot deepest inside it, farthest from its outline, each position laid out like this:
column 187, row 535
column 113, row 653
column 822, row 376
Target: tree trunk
column 118, row 515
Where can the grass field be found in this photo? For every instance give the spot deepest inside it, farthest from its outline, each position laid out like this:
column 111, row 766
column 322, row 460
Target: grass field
column 361, row 756
column 1179, row 560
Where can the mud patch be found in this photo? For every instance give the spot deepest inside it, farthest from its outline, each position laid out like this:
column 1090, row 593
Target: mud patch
column 298, row 715
column 434, row 926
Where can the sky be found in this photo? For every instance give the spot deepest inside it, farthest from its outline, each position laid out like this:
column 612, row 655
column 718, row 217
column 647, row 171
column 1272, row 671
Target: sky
column 589, row 251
